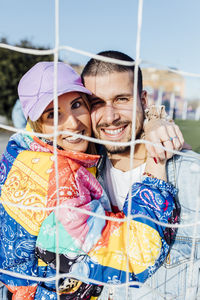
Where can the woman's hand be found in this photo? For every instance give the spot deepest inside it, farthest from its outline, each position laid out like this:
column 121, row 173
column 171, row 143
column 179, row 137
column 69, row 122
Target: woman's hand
column 160, row 130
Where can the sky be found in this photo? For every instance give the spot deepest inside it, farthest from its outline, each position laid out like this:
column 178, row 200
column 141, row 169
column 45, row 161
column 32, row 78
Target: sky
column 170, row 34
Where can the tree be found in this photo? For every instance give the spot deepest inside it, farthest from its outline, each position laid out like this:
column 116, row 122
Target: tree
column 13, row 65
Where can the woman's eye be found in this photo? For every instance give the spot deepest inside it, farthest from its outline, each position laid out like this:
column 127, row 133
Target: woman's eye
column 76, row 104
column 50, row 115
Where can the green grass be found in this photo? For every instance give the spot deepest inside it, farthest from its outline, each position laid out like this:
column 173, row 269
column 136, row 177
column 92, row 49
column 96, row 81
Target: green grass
column 191, row 132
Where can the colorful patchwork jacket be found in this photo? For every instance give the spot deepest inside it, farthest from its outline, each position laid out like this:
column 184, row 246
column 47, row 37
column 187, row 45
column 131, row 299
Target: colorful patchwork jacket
column 59, row 213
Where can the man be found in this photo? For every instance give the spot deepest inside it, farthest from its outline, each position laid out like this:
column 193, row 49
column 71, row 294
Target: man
column 111, row 113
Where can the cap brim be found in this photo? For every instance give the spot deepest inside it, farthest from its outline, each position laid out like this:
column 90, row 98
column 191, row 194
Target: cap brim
column 38, row 108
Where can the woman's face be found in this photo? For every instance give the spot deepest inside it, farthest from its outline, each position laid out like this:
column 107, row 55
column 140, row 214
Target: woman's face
column 73, row 116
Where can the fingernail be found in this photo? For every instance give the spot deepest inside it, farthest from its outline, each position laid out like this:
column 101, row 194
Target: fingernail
column 155, row 160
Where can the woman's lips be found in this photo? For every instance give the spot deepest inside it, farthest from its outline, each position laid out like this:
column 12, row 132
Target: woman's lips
column 74, row 139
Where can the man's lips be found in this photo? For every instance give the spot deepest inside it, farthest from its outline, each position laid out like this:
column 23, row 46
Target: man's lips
column 114, row 132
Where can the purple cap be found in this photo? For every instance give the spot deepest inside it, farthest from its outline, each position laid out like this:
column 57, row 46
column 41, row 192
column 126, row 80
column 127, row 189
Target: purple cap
column 36, row 87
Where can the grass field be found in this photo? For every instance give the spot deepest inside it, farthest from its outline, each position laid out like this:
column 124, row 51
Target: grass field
column 191, row 132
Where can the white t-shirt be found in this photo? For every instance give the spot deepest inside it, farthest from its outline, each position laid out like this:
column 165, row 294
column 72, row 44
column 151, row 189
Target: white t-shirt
column 117, row 183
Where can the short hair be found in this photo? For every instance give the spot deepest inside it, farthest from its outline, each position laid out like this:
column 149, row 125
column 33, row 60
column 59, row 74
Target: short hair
column 96, row 67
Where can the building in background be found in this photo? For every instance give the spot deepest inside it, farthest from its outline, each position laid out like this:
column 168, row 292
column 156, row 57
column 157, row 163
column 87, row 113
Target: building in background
column 78, row 68
column 167, row 88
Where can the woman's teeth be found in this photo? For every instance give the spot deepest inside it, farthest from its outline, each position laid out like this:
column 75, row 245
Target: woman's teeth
column 74, row 138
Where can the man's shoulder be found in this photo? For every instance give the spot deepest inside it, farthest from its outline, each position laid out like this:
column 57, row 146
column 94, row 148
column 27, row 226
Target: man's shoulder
column 184, row 169
column 185, row 157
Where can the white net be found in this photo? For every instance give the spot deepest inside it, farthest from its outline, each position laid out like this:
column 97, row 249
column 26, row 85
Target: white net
column 186, row 269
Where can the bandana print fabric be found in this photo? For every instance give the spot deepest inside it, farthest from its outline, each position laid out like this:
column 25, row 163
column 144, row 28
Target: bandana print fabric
column 89, row 246
column 27, row 189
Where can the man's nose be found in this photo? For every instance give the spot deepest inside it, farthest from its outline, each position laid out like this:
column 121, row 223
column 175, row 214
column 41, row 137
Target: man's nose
column 110, row 113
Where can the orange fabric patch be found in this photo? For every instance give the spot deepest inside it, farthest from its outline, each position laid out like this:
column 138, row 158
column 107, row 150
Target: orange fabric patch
column 22, row 292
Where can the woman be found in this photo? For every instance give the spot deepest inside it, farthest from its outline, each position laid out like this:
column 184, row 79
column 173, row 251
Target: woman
column 42, row 211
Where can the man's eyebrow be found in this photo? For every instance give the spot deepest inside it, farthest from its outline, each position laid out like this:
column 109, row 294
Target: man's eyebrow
column 124, row 95
column 93, row 98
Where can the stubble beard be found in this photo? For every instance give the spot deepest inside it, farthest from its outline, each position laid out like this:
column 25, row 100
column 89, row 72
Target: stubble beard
column 119, row 149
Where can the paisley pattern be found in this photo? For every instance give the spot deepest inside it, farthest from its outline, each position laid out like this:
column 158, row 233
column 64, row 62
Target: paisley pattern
column 28, row 195
column 92, row 249
column 89, row 246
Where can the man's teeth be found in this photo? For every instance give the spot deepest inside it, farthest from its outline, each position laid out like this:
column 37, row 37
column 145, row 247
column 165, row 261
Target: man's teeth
column 113, row 132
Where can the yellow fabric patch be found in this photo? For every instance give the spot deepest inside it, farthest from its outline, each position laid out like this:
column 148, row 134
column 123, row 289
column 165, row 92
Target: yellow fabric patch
column 28, row 127
column 41, row 263
column 144, row 248
column 72, row 287
column 27, row 185
column 92, row 170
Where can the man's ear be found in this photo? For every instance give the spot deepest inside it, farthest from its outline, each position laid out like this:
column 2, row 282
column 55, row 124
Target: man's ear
column 144, row 99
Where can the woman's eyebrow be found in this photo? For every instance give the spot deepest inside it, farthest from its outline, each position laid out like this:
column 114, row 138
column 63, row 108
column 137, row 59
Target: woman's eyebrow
column 50, row 109
column 76, row 99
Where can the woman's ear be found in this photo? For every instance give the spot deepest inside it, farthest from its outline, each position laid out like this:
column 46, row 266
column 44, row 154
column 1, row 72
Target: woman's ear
column 144, row 99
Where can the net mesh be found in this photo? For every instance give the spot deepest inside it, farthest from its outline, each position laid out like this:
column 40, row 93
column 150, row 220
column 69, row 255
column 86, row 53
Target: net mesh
column 191, row 262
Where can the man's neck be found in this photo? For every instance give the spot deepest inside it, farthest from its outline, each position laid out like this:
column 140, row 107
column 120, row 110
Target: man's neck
column 122, row 161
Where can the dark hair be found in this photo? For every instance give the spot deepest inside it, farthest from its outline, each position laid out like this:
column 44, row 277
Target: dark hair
column 96, row 67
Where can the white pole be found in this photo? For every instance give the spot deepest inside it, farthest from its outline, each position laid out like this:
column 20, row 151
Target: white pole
column 184, row 112
column 197, row 114
column 172, row 105
column 160, row 94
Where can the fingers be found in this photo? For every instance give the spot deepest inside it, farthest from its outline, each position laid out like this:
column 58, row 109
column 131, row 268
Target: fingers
column 154, row 150
column 169, row 146
column 179, row 136
column 166, row 134
column 175, row 138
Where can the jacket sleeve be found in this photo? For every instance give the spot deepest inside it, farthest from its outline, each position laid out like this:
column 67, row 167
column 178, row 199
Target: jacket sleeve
column 92, row 247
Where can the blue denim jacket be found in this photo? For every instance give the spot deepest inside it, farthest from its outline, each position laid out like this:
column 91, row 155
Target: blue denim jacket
column 179, row 276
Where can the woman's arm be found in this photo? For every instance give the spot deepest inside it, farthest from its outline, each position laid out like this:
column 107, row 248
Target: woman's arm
column 155, row 168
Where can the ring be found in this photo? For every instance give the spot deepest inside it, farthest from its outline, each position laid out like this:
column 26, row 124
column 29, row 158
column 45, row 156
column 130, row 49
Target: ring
column 171, row 139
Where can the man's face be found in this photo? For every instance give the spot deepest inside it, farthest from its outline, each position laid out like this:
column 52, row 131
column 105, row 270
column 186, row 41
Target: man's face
column 112, row 108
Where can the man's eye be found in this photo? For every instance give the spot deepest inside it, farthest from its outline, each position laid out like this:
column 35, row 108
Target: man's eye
column 96, row 103
column 122, row 99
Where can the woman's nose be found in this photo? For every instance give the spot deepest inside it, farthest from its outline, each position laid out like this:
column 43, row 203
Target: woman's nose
column 71, row 122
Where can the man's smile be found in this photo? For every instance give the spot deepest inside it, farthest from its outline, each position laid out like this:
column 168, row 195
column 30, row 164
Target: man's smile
column 114, row 132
